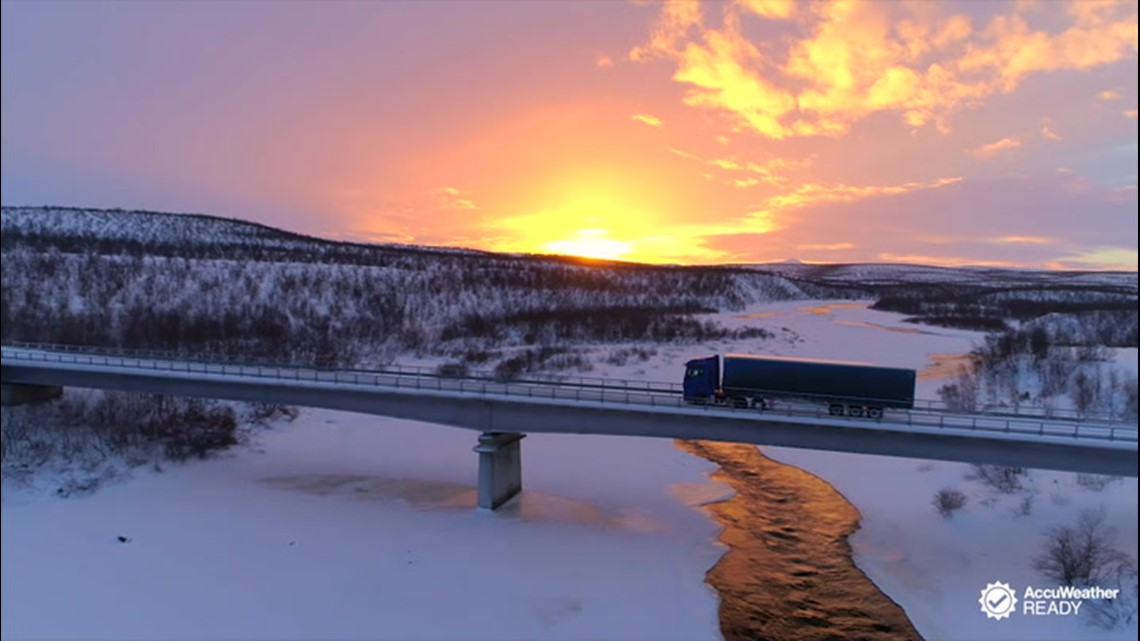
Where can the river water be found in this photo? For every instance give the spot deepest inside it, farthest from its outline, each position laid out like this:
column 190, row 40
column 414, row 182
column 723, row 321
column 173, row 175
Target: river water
column 788, row 574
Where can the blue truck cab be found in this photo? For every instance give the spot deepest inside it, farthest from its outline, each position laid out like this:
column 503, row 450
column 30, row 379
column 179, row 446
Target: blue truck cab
column 702, row 379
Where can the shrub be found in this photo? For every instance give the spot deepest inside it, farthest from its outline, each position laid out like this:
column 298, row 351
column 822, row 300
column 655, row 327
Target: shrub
column 1095, row 482
column 1003, row 478
column 1121, row 611
column 200, row 433
column 452, row 370
column 92, row 433
column 948, row 501
column 961, row 395
column 1081, row 553
column 1025, row 507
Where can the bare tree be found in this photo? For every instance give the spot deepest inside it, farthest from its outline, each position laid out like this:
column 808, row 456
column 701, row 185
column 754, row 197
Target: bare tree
column 1131, row 403
column 1084, row 392
column 962, row 394
column 1081, row 553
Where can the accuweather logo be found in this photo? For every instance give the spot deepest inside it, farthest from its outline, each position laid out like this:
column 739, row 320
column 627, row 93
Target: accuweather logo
column 999, row 600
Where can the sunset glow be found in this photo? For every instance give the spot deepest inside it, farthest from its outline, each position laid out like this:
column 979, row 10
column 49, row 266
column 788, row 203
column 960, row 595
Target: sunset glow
column 677, row 132
column 590, row 243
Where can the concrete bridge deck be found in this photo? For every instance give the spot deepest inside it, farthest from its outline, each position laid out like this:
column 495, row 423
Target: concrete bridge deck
column 637, row 409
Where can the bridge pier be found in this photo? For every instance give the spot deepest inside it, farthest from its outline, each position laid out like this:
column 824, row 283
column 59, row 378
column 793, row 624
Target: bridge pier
column 500, row 468
column 24, row 394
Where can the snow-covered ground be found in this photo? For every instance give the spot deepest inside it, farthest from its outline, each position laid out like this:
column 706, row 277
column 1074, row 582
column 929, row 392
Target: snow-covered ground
column 935, row 568
column 342, row 526
column 362, row 527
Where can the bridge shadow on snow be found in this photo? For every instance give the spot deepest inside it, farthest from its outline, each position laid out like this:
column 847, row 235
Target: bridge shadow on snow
column 421, row 494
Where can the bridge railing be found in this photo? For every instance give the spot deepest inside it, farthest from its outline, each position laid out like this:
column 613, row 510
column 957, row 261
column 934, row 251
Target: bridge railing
column 394, row 368
column 600, row 394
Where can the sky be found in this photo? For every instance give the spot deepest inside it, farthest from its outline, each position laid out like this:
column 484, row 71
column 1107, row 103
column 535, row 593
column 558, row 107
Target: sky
column 947, row 133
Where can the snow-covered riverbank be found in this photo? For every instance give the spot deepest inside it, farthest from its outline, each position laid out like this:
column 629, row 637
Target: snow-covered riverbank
column 935, row 568
column 354, row 527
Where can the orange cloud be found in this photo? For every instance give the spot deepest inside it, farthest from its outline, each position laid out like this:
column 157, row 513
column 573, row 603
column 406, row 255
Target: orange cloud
column 652, row 121
column 943, row 261
column 991, row 149
column 773, row 171
column 860, row 58
column 1102, row 33
column 1108, row 95
column 771, row 8
column 1129, row 113
column 825, row 246
column 1024, row 240
column 603, row 61
column 812, row 193
column 1048, row 133
column 453, row 198
column 1106, row 258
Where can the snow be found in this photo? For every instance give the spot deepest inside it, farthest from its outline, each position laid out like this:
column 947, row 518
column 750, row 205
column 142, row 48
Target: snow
column 935, row 568
column 346, row 526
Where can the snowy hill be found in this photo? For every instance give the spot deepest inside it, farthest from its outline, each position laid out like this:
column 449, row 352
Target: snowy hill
column 194, row 282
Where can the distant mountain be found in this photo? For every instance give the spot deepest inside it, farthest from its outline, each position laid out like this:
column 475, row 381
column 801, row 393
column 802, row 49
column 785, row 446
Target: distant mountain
column 880, row 274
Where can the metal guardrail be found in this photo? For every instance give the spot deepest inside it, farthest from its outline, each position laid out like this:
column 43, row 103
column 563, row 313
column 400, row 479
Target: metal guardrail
column 897, row 419
column 416, row 370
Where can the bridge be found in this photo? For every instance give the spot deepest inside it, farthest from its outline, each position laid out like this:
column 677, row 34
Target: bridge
column 504, row 411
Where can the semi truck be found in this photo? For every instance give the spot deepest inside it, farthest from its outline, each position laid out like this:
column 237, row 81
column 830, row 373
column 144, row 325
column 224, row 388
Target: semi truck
column 845, row 388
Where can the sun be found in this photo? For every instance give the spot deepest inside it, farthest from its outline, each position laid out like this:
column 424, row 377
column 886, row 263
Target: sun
column 590, row 243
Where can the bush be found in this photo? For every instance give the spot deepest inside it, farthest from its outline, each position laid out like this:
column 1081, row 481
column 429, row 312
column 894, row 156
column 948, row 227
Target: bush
column 1003, row 478
column 1121, row 611
column 961, row 395
column 543, row 358
column 620, row 357
column 948, row 501
column 1095, row 482
column 264, row 412
column 452, row 370
column 92, row 433
column 1025, row 507
column 200, row 433
column 1081, row 553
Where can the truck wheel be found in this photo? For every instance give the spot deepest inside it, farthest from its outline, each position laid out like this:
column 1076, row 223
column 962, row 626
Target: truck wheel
column 760, row 404
column 875, row 413
column 855, row 410
column 835, row 409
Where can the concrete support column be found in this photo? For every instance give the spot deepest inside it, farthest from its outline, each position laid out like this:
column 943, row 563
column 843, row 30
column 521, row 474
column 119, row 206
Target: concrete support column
column 23, row 394
column 500, row 468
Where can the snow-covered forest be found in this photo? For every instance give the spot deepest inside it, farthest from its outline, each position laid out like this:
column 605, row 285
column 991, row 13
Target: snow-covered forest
column 203, row 284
